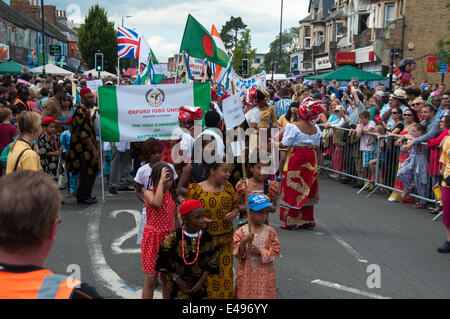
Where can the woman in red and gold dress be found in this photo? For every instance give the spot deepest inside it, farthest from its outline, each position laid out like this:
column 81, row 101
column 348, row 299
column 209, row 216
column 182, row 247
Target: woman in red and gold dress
column 299, row 185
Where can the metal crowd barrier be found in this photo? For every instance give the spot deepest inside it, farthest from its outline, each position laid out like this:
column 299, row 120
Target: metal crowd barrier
column 345, row 161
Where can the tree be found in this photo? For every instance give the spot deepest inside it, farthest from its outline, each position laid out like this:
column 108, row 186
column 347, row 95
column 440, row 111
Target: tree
column 230, row 30
column 243, row 50
column 288, row 46
column 98, row 34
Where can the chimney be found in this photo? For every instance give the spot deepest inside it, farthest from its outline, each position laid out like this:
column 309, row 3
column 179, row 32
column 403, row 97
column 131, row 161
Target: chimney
column 50, row 14
column 21, row 5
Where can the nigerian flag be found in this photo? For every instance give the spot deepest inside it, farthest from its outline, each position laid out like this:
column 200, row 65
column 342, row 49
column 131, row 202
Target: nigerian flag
column 135, row 113
column 198, row 43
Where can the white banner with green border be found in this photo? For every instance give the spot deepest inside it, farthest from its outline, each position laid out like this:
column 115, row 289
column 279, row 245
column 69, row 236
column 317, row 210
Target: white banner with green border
column 137, row 112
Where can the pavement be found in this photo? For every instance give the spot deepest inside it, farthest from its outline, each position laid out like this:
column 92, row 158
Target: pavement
column 361, row 248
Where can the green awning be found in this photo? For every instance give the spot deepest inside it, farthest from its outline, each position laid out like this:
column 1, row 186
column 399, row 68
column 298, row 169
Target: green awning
column 11, row 67
column 347, row 73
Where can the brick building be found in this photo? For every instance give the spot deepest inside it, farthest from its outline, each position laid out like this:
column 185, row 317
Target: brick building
column 363, row 32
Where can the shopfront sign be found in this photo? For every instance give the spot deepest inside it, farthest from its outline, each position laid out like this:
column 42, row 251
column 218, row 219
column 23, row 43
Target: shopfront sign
column 323, row 63
column 345, row 58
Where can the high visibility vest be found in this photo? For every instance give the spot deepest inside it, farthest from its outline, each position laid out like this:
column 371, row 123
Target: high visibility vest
column 39, row 284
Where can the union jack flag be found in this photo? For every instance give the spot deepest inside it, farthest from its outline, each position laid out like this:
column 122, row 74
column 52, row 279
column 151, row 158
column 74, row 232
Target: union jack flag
column 129, row 43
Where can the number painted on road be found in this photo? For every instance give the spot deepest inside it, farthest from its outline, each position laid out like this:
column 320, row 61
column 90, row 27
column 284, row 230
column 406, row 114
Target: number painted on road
column 116, row 245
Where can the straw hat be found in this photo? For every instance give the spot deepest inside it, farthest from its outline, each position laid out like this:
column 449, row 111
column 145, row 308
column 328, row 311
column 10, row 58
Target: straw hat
column 399, row 94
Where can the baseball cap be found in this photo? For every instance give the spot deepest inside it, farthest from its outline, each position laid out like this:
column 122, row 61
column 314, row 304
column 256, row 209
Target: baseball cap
column 258, row 202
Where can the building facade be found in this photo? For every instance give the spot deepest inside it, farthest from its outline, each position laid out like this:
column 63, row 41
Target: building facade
column 362, row 33
column 20, row 35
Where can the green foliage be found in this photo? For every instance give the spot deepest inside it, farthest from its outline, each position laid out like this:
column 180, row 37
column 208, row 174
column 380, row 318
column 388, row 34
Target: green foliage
column 230, row 31
column 243, row 50
column 288, row 46
column 98, row 34
column 443, row 43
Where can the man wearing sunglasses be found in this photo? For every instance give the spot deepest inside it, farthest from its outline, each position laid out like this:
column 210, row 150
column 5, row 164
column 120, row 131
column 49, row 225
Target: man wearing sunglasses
column 431, row 121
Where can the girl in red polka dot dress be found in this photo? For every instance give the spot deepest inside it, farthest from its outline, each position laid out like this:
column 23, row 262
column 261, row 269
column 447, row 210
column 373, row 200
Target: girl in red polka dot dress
column 161, row 204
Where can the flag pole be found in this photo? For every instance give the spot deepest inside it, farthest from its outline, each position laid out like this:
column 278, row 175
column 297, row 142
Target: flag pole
column 244, row 172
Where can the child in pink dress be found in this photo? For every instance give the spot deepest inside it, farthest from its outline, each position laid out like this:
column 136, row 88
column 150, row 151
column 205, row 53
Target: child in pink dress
column 256, row 252
column 161, row 204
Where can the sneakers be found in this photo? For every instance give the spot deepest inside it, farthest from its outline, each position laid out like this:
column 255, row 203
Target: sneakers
column 445, row 249
column 113, row 190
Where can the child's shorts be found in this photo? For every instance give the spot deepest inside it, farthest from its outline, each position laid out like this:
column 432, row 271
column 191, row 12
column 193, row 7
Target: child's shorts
column 367, row 156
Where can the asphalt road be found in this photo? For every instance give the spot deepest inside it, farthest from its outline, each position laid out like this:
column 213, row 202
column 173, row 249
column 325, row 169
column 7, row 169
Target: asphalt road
column 361, row 248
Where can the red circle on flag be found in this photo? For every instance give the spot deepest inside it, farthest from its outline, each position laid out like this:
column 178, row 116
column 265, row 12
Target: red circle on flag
column 208, row 46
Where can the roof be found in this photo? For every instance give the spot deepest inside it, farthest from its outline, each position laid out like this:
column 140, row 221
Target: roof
column 326, row 5
column 338, row 14
column 26, row 22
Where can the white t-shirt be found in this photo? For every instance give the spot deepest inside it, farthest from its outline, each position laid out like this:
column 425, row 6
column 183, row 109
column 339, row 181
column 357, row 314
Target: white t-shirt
column 143, row 178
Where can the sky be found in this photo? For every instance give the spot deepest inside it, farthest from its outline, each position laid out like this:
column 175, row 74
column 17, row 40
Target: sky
column 162, row 22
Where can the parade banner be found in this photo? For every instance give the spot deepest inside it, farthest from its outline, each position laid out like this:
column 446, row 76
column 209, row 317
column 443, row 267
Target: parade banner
column 241, row 85
column 135, row 113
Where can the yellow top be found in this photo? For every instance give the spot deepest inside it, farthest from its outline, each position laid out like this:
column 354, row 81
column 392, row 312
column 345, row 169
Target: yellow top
column 30, row 160
column 445, row 160
column 268, row 116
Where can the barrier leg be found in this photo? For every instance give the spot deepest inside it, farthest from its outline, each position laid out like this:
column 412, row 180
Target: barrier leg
column 437, row 217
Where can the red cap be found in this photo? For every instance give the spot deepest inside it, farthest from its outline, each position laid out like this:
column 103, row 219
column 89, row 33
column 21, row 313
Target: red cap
column 225, row 96
column 85, row 91
column 48, row 120
column 188, row 206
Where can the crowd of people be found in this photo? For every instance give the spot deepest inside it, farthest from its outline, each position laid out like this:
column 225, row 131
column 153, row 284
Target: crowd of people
column 198, row 217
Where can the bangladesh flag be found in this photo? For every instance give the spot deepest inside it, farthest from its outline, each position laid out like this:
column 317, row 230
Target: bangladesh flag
column 134, row 113
column 198, row 43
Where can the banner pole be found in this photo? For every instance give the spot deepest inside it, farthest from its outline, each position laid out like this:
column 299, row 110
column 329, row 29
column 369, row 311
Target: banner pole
column 101, row 150
column 244, row 172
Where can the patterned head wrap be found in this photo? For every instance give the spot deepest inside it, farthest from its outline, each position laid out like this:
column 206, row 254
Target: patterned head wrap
column 310, row 109
column 189, row 114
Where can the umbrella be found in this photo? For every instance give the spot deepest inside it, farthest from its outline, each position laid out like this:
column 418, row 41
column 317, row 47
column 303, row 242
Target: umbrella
column 347, row 73
column 11, row 67
column 51, row 69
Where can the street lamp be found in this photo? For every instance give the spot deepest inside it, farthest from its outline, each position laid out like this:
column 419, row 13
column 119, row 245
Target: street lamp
column 43, row 40
column 281, row 26
column 124, row 18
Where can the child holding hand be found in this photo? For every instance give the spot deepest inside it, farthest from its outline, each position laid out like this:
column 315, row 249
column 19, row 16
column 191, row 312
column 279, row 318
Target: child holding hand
column 256, row 252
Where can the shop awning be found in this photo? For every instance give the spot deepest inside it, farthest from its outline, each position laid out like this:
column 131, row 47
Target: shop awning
column 347, row 73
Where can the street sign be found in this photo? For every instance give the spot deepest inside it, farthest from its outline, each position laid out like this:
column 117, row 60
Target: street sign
column 55, row 49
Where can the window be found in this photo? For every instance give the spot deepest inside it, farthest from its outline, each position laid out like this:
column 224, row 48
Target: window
column 320, row 38
column 257, row 60
column 389, row 13
column 339, row 31
column 363, row 23
column 307, row 43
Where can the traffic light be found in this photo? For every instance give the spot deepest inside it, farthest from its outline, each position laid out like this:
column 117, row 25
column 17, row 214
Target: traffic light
column 99, row 62
column 245, row 67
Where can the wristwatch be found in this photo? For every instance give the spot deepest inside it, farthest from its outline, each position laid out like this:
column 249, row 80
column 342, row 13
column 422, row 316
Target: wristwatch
column 175, row 278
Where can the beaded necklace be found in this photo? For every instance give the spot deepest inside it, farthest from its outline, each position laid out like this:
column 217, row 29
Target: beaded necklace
column 182, row 245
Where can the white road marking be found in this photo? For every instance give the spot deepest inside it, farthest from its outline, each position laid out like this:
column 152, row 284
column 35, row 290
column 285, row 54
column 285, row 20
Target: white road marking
column 348, row 289
column 119, row 241
column 105, row 275
column 343, row 243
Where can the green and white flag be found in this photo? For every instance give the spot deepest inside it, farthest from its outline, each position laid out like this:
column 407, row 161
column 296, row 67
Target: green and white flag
column 134, row 113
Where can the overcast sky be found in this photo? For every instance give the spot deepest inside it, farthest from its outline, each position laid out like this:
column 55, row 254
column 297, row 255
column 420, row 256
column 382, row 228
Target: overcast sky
column 162, row 21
